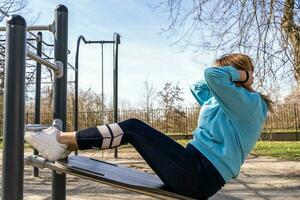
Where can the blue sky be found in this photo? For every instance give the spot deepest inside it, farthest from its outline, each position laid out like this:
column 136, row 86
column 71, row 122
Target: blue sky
column 145, row 53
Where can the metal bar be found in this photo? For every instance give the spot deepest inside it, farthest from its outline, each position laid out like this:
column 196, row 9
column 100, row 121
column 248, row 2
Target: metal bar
column 102, row 85
column 36, row 37
column 45, row 43
column 28, row 59
column 14, row 99
column 71, row 66
column 37, row 106
column 81, row 37
column 99, row 42
column 60, row 90
column 76, row 86
column 34, row 28
column 28, row 39
column 42, row 61
column 296, row 120
column 50, row 82
column 115, row 83
column 45, row 55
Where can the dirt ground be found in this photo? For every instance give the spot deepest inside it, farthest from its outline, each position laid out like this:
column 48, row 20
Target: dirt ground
column 261, row 178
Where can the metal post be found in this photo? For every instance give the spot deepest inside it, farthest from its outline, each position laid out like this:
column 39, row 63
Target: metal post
column 27, row 117
column 296, row 121
column 76, row 86
column 102, row 85
column 37, row 108
column 102, row 91
column 60, row 90
column 13, row 125
column 115, row 83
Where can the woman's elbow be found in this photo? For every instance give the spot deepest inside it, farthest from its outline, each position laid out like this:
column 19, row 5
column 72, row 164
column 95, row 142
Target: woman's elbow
column 211, row 74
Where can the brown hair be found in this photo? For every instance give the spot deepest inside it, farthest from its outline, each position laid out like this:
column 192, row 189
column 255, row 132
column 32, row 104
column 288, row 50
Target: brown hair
column 244, row 63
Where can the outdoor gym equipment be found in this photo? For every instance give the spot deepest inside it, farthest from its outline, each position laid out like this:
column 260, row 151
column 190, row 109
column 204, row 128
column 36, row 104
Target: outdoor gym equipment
column 13, row 123
column 13, row 130
column 115, row 42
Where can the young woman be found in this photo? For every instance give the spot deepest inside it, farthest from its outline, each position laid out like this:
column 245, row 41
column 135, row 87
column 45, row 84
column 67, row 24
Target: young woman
column 231, row 118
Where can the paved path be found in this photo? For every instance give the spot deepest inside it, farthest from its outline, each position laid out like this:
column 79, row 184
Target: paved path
column 261, row 178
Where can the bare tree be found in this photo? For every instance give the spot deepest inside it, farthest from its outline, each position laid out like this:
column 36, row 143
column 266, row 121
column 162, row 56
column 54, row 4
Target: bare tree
column 293, row 98
column 170, row 96
column 171, row 101
column 9, row 7
column 148, row 97
column 268, row 30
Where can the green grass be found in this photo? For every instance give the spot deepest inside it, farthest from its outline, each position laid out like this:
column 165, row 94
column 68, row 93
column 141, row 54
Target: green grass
column 282, row 150
column 279, row 131
column 273, row 131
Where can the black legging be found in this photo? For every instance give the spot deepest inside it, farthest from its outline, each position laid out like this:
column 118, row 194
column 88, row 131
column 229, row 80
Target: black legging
column 183, row 170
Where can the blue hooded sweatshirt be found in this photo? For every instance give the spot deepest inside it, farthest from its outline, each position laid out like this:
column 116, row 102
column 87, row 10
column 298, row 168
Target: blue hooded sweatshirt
column 230, row 120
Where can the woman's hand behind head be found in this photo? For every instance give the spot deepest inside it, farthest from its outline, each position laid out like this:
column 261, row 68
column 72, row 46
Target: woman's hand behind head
column 249, row 83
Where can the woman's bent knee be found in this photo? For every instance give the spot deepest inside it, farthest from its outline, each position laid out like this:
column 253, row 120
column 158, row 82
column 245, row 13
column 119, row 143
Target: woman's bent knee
column 132, row 124
column 134, row 120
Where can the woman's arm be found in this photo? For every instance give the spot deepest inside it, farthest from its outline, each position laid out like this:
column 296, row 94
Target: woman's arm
column 235, row 101
column 200, row 91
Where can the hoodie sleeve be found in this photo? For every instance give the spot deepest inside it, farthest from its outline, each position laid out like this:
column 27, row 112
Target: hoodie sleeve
column 200, row 91
column 236, row 101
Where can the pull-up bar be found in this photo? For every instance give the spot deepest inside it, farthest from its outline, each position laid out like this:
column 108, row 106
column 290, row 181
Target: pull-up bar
column 115, row 42
column 81, row 37
column 58, row 67
column 49, row 27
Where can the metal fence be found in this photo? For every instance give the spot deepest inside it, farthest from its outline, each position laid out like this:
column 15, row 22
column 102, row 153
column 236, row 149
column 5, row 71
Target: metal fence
column 285, row 118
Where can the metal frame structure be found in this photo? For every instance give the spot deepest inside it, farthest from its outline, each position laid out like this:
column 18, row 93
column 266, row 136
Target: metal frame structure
column 37, row 38
column 14, row 96
column 14, row 103
column 13, row 140
column 116, row 41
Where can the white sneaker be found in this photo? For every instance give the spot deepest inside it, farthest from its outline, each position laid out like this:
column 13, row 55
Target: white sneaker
column 45, row 141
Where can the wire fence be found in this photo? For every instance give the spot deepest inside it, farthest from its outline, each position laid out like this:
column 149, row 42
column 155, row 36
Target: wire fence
column 285, row 118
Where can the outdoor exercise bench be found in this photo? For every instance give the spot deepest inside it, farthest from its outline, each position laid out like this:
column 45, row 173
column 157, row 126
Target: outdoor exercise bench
column 109, row 174
column 103, row 172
